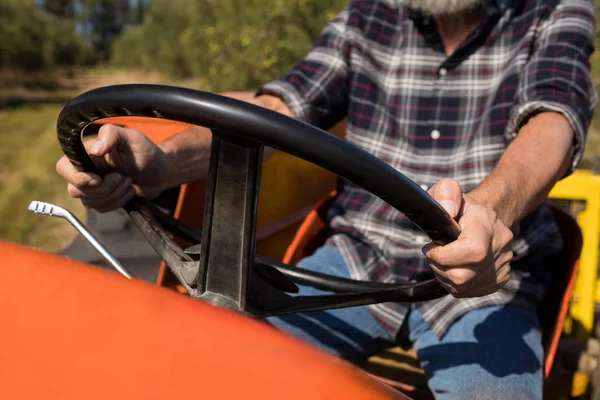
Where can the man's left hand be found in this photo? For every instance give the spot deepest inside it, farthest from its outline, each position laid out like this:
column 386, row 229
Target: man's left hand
column 478, row 262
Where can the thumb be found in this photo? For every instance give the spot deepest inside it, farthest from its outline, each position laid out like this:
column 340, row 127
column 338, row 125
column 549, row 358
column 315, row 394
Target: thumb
column 448, row 193
column 109, row 137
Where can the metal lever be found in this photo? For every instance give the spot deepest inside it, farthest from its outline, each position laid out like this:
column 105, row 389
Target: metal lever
column 53, row 210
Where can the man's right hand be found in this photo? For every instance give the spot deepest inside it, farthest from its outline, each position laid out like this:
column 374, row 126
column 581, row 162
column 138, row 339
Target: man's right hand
column 133, row 165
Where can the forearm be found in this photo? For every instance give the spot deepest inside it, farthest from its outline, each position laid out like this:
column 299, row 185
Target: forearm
column 538, row 157
column 188, row 153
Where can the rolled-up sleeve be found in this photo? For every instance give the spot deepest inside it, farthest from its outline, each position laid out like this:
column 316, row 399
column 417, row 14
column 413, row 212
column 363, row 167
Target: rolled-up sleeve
column 557, row 77
column 316, row 89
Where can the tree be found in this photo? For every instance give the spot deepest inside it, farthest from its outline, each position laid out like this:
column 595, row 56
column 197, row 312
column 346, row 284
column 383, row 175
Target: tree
column 34, row 40
column 102, row 21
column 61, row 8
column 139, row 11
column 232, row 44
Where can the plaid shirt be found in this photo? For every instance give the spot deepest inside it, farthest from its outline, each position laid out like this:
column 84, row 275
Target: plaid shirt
column 432, row 116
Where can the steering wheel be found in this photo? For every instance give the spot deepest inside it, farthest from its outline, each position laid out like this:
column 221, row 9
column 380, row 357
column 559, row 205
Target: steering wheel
column 221, row 266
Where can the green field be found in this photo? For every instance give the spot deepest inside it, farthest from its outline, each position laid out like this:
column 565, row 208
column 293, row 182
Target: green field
column 28, row 155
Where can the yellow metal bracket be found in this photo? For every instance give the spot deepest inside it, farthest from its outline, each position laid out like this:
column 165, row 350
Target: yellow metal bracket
column 584, row 186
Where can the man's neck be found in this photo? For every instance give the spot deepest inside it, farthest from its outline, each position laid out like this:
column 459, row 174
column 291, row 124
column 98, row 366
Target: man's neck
column 454, row 29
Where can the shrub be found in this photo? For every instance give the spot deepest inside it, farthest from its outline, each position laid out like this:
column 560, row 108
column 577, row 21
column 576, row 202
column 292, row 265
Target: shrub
column 231, row 44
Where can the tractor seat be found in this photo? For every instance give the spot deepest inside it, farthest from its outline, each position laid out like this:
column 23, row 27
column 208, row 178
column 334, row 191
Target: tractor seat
column 399, row 366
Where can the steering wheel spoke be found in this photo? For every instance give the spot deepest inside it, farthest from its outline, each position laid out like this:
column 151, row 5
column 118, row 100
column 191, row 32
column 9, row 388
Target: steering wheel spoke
column 229, row 230
column 182, row 265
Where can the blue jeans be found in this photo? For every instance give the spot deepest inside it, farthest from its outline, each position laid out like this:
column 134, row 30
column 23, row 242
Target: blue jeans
column 490, row 353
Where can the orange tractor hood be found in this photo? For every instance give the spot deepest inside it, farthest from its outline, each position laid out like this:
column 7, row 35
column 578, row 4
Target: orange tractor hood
column 80, row 332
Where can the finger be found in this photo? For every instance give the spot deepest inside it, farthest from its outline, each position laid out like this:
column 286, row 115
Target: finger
column 448, row 193
column 74, row 177
column 505, row 256
column 456, row 281
column 504, row 273
column 100, row 192
column 502, row 277
column 106, row 188
column 73, row 191
column 111, row 198
column 471, row 247
column 126, row 198
column 458, row 276
column 147, row 192
column 483, row 234
column 109, row 138
column 447, row 284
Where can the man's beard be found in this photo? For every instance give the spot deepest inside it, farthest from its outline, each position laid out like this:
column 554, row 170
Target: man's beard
column 442, row 7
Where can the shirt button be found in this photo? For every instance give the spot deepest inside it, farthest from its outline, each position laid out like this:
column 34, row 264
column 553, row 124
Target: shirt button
column 435, row 134
column 420, row 240
column 424, row 187
column 443, row 72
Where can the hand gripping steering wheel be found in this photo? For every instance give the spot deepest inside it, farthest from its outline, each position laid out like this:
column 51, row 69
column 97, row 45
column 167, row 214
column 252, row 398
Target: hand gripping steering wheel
column 222, row 268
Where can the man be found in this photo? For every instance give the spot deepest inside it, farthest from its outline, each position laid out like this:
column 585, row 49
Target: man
column 485, row 103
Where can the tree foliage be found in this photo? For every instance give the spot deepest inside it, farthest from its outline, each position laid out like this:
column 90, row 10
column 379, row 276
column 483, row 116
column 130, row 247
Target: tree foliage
column 102, row 22
column 41, row 34
column 34, row 40
column 61, row 8
column 231, row 44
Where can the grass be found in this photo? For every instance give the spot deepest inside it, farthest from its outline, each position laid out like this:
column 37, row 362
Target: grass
column 29, row 151
column 28, row 154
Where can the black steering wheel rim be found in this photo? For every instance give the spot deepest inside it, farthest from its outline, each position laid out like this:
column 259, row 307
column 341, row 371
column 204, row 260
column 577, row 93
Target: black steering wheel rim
column 236, row 120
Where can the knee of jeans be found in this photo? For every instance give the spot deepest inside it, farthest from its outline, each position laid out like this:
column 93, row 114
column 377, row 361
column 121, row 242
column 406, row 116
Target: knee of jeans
column 327, row 260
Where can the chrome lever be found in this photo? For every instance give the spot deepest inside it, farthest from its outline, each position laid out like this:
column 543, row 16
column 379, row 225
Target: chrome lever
column 39, row 207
